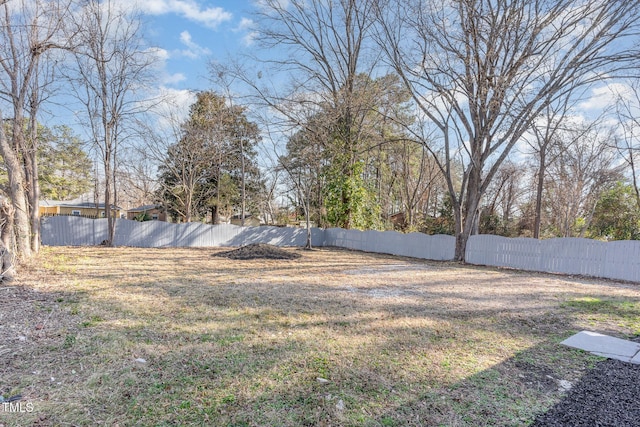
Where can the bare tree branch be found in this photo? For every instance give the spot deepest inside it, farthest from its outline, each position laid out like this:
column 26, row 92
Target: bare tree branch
column 481, row 72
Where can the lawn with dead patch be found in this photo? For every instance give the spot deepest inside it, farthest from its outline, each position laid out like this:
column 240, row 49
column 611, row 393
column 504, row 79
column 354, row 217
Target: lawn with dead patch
column 129, row 336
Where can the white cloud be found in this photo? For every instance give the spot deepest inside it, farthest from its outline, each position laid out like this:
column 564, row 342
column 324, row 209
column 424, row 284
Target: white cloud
column 159, row 53
column 171, row 79
column 161, row 57
column 246, row 24
column 171, row 107
column 261, row 4
column 605, row 96
column 185, row 38
column 250, row 38
column 193, row 49
column 190, row 9
column 177, row 99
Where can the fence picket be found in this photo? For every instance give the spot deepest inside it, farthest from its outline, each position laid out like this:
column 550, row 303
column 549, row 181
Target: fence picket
column 614, row 260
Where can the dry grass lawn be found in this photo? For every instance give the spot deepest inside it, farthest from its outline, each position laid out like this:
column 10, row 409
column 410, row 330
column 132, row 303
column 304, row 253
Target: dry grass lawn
column 127, row 336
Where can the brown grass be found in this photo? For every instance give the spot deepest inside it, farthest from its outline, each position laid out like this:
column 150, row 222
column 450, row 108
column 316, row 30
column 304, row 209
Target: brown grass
column 244, row 342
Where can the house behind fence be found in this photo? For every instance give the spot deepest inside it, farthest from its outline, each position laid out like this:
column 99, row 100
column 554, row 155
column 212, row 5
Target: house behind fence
column 614, row 260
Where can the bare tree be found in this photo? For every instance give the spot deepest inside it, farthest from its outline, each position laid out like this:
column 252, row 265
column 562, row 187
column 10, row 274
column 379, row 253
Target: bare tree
column 159, row 130
column 501, row 200
column 28, row 32
column 137, row 178
column 480, row 72
column 303, row 164
column 188, row 152
column 202, row 157
column 415, row 178
column 581, row 172
column 326, row 45
column 268, row 204
column 553, row 132
column 186, row 167
column 628, row 138
column 112, row 65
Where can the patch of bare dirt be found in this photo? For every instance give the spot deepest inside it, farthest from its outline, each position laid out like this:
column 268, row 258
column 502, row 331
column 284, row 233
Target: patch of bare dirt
column 258, row 251
column 34, row 326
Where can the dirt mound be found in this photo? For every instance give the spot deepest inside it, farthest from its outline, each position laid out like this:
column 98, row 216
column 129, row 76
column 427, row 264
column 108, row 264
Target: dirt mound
column 258, row 251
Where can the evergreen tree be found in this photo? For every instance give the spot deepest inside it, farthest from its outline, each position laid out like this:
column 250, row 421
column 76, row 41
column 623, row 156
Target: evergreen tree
column 65, row 168
column 213, row 167
column 617, row 214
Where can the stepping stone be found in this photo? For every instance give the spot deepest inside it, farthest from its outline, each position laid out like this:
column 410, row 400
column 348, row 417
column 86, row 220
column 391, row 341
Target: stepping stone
column 605, row 346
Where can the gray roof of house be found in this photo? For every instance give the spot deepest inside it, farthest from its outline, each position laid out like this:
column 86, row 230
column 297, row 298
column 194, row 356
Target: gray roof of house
column 145, row 208
column 82, row 205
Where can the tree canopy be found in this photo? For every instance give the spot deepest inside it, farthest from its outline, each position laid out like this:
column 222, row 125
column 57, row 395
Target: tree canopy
column 205, row 170
column 65, row 168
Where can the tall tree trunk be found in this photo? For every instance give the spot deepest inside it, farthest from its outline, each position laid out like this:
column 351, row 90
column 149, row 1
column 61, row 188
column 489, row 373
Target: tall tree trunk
column 18, row 196
column 462, row 235
column 7, row 240
column 307, row 214
column 187, row 208
column 634, row 175
column 457, row 219
column 33, row 196
column 7, row 216
column 244, row 193
column 466, row 218
column 107, row 188
column 31, row 174
column 347, row 199
column 215, row 218
column 114, row 182
column 107, row 207
column 17, row 193
column 539, row 189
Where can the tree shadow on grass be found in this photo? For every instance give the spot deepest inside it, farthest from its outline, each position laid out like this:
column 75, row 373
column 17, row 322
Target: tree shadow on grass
column 249, row 347
column 232, row 347
column 525, row 390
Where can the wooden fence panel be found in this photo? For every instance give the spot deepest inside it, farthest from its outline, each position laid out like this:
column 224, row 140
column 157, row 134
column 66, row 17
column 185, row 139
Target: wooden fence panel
column 615, row 260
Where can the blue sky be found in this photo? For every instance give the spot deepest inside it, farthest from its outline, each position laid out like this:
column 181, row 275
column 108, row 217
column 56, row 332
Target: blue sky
column 187, row 35
column 190, row 33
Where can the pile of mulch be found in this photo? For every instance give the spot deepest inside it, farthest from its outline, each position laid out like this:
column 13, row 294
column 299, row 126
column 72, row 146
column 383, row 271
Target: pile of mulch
column 258, row 251
column 608, row 395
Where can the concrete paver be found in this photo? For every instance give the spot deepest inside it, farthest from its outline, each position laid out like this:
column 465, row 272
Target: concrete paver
column 605, row 345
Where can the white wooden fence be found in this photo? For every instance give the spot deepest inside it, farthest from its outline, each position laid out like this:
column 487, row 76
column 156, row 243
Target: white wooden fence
column 614, row 260
column 77, row 231
column 417, row 245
